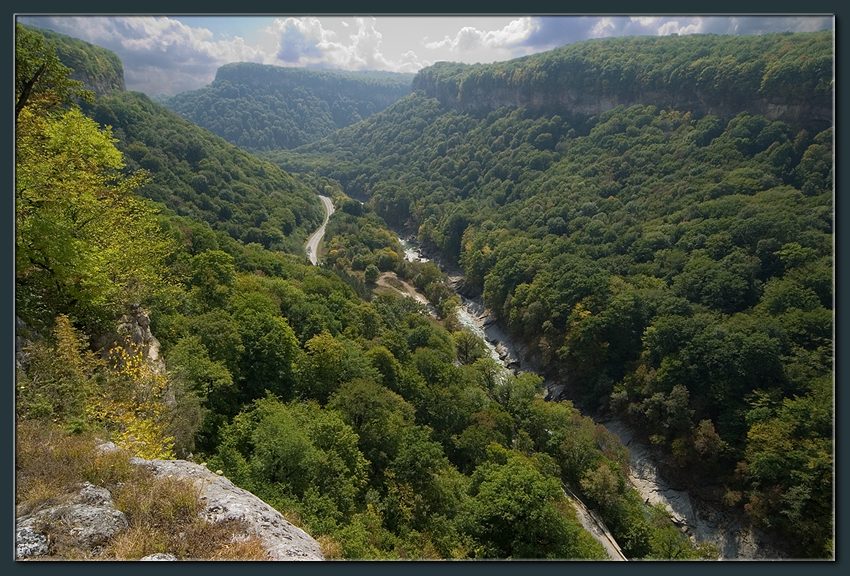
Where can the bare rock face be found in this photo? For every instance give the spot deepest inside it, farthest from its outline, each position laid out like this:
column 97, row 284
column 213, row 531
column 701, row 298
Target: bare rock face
column 135, row 326
column 226, row 501
column 134, row 329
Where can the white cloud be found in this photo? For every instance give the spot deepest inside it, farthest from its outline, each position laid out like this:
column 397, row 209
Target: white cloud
column 471, row 38
column 308, row 42
column 603, row 27
column 645, row 20
column 694, row 26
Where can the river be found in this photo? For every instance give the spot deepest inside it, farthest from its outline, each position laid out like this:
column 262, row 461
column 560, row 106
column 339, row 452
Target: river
column 704, row 522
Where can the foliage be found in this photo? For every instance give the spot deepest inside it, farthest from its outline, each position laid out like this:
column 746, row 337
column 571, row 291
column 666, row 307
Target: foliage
column 85, row 242
column 42, row 81
column 200, row 175
column 260, row 107
column 673, row 257
column 518, row 511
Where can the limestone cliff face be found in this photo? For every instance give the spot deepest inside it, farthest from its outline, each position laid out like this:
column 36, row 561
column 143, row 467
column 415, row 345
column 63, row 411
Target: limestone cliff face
column 559, row 99
column 133, row 330
column 786, row 77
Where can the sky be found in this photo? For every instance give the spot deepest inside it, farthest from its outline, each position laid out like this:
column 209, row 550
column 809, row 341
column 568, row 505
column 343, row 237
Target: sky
column 165, row 55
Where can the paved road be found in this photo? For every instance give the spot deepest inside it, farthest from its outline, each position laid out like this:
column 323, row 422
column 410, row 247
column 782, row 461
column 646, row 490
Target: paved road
column 312, row 246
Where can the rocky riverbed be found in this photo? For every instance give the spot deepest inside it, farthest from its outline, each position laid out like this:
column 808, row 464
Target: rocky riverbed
column 703, row 521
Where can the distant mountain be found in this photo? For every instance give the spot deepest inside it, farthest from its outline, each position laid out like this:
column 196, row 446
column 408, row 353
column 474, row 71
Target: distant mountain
column 262, row 107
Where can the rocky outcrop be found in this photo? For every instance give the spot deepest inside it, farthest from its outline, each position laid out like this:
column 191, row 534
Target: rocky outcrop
column 134, row 328
column 226, row 501
column 87, row 520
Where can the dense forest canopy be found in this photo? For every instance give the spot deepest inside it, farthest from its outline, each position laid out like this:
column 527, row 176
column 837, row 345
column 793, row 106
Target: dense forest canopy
column 195, row 173
column 672, row 265
column 261, row 107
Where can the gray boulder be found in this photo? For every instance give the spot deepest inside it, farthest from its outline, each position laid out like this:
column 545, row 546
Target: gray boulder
column 86, row 520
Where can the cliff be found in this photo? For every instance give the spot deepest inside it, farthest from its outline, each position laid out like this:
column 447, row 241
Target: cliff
column 786, row 77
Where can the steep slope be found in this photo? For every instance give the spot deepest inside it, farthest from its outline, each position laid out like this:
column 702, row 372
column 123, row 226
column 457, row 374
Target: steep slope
column 198, row 174
column 263, row 107
column 99, row 69
column 192, row 172
column 669, row 260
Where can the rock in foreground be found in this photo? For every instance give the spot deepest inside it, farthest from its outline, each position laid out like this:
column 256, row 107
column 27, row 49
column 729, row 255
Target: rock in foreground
column 226, row 501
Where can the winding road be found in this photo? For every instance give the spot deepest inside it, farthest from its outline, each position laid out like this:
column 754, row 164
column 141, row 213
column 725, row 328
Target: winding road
column 312, row 246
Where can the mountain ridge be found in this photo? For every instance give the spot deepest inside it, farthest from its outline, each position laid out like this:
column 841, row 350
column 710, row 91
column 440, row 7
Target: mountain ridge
column 709, row 74
column 264, row 107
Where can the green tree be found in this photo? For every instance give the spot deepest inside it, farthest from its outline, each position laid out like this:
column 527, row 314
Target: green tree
column 328, row 363
column 371, row 274
column 270, row 348
column 516, row 511
column 213, row 277
column 41, row 80
column 85, row 243
column 469, row 347
column 378, row 415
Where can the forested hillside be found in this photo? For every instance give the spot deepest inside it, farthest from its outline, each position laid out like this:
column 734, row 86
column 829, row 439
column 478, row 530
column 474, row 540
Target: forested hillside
column 262, row 107
column 99, row 69
column 195, row 173
column 670, row 260
column 189, row 170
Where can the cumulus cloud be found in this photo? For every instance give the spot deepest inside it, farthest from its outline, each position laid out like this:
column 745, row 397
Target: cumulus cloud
column 470, row 38
column 307, row 42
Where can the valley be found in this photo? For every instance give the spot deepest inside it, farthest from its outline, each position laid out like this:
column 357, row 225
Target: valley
column 573, row 305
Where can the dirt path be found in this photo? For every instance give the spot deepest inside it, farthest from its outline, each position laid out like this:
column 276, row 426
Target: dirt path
column 393, row 282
